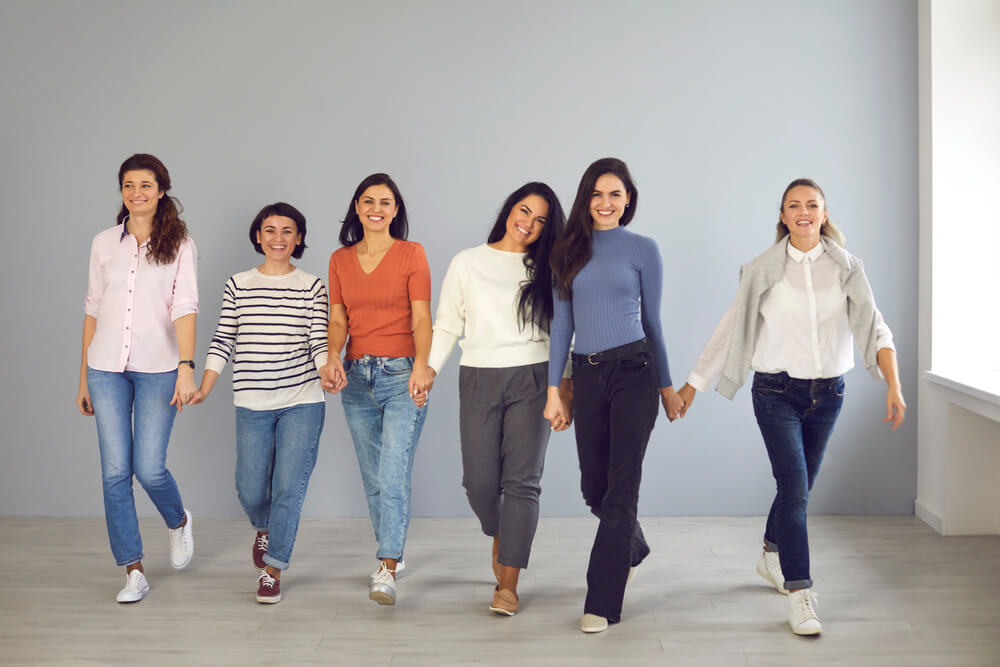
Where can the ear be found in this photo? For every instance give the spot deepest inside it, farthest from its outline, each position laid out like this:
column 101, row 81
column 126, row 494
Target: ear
column 258, row 237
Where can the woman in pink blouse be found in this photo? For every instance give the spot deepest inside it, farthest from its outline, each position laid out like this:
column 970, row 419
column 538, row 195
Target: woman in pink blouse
column 137, row 368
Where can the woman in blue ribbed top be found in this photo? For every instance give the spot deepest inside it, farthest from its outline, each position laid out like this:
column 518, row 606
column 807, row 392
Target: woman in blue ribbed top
column 607, row 292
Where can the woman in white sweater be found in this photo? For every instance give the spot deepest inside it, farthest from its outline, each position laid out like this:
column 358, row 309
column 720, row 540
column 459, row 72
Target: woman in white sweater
column 799, row 307
column 273, row 325
column 500, row 295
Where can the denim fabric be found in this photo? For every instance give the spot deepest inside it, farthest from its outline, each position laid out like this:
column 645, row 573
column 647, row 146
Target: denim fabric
column 385, row 425
column 134, row 418
column 275, row 456
column 504, row 437
column 796, row 418
column 615, row 407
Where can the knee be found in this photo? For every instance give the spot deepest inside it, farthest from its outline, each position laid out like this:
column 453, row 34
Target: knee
column 150, row 475
column 527, row 490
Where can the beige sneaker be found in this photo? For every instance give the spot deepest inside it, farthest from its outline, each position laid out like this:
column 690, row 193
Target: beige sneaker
column 593, row 623
column 769, row 568
column 802, row 612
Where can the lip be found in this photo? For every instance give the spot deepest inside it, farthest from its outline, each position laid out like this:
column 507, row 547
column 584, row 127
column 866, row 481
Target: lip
column 526, row 232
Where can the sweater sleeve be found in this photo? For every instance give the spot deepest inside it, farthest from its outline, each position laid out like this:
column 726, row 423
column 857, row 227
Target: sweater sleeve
column 224, row 341
column 559, row 337
column 651, row 289
column 318, row 322
column 708, row 368
column 449, row 322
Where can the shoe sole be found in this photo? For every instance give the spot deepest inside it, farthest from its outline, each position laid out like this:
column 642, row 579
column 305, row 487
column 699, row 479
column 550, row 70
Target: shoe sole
column 381, row 598
column 591, row 629
column 502, row 611
column 269, row 599
column 142, row 594
column 807, row 632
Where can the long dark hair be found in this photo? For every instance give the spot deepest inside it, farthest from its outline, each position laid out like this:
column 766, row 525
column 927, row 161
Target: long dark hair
column 534, row 301
column 168, row 229
column 574, row 246
column 353, row 231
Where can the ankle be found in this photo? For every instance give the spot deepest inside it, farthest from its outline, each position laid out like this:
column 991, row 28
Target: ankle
column 273, row 572
column 133, row 566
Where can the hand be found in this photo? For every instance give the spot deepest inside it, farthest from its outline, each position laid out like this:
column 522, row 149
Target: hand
column 687, row 394
column 184, row 389
column 200, row 395
column 672, row 403
column 83, row 402
column 555, row 411
column 895, row 408
column 332, row 376
column 421, row 382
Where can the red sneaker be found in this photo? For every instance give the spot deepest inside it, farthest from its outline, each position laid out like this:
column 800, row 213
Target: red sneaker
column 268, row 588
column 259, row 549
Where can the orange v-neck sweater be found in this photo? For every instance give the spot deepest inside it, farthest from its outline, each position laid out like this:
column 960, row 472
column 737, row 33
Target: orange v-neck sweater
column 379, row 315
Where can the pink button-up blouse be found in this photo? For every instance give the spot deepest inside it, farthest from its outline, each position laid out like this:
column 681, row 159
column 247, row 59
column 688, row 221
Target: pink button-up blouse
column 136, row 301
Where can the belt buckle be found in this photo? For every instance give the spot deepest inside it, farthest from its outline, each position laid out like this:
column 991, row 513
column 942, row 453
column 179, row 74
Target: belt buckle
column 590, row 359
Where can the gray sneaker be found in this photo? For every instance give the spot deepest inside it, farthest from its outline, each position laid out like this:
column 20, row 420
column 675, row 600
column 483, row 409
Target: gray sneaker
column 382, row 588
column 135, row 588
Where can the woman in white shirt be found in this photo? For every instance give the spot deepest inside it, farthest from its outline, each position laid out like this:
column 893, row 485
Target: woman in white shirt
column 500, row 295
column 799, row 306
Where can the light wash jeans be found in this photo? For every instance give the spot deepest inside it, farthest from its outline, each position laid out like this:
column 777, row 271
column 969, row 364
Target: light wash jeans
column 385, row 426
column 134, row 418
column 275, row 455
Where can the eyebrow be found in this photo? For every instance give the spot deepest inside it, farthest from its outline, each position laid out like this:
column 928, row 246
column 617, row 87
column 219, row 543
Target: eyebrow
column 526, row 207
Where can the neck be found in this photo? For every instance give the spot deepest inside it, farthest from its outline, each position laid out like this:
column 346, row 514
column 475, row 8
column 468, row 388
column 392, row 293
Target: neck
column 805, row 245
column 603, row 228
column 272, row 267
column 507, row 244
column 377, row 241
column 140, row 226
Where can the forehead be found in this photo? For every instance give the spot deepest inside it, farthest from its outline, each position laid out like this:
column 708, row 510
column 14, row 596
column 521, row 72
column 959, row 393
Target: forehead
column 381, row 191
column 803, row 193
column 279, row 221
column 138, row 176
column 536, row 203
column 609, row 182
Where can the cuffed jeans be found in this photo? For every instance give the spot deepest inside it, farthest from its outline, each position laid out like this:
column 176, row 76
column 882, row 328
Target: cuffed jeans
column 385, row 425
column 134, row 419
column 615, row 406
column 275, row 456
column 796, row 418
column 504, row 437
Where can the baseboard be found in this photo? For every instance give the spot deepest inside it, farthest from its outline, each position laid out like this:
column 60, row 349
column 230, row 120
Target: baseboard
column 929, row 516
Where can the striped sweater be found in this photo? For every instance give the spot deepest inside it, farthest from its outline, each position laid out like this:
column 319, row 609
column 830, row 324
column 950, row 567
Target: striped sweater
column 274, row 328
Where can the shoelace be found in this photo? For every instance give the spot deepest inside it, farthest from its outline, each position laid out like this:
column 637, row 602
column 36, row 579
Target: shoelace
column 384, row 574
column 266, row 580
column 262, row 542
column 806, row 605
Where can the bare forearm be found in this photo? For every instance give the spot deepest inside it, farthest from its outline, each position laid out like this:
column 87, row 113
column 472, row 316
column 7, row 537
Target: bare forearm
column 888, row 365
column 89, row 328
column 186, row 328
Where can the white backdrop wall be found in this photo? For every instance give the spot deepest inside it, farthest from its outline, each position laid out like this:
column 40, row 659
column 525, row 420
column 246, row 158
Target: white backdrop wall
column 714, row 105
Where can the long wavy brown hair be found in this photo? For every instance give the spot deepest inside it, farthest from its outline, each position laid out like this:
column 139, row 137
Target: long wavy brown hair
column 168, row 229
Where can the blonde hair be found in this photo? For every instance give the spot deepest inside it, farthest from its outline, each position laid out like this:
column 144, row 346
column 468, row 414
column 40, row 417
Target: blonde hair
column 827, row 229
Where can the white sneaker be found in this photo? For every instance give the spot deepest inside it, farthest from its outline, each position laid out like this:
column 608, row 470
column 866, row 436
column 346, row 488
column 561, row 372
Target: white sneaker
column 135, row 588
column 182, row 544
column 382, row 588
column 802, row 613
column 593, row 623
column 400, row 568
column 769, row 567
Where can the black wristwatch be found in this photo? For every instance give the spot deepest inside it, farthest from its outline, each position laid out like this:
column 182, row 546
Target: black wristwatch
column 186, row 361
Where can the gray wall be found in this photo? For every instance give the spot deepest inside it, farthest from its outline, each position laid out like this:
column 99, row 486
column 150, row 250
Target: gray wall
column 714, row 105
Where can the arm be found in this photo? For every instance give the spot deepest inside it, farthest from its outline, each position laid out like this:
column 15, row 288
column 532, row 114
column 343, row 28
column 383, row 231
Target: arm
column 208, row 379
column 185, row 389
column 708, row 367
column 895, row 406
column 558, row 409
column 450, row 320
column 334, row 378
column 651, row 289
column 83, row 401
column 422, row 376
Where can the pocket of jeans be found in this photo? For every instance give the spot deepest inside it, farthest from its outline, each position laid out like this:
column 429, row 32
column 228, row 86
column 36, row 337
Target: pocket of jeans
column 838, row 388
column 641, row 360
column 769, row 383
column 347, row 365
column 397, row 365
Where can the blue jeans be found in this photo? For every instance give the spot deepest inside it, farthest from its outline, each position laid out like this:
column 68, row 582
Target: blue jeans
column 134, row 418
column 275, row 456
column 385, row 426
column 796, row 418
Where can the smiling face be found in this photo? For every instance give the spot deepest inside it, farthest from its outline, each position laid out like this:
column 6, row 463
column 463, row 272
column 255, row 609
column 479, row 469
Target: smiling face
column 608, row 201
column 526, row 221
column 140, row 192
column 278, row 237
column 803, row 212
column 376, row 208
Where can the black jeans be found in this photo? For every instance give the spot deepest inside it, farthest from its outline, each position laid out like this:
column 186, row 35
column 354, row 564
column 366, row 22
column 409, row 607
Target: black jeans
column 615, row 407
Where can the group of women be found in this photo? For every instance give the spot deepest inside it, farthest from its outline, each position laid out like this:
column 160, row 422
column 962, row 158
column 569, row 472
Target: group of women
column 541, row 284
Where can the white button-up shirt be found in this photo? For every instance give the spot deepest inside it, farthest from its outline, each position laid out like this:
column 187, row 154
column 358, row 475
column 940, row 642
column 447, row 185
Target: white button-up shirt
column 802, row 329
column 136, row 301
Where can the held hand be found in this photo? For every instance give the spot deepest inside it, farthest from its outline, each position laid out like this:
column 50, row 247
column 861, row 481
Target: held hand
column 895, row 408
column 184, row 389
column 421, row 379
column 566, row 398
column 200, row 395
column 687, row 394
column 83, row 402
column 332, row 376
column 672, row 403
column 555, row 411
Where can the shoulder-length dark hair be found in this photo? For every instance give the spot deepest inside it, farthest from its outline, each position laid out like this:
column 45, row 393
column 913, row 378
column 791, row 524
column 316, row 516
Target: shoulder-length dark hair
column 286, row 211
column 534, row 301
column 352, row 230
column 168, row 229
column 574, row 247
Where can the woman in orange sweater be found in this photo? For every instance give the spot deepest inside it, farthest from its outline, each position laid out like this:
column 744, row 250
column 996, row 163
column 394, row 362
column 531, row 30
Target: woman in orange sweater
column 380, row 293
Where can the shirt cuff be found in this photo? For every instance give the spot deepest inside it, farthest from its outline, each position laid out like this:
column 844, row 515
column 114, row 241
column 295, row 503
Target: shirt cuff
column 321, row 360
column 179, row 310
column 214, row 363
column 698, row 382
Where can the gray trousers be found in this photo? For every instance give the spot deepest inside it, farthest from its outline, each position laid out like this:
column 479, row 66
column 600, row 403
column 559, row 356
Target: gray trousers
column 504, row 437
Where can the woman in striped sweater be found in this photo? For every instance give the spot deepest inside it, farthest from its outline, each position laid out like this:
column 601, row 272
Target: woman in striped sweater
column 273, row 325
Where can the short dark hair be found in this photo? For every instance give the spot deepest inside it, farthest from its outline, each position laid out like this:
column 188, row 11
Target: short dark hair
column 353, row 231
column 285, row 211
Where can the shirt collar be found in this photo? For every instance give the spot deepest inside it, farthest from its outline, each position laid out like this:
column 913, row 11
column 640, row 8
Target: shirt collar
column 799, row 256
column 124, row 232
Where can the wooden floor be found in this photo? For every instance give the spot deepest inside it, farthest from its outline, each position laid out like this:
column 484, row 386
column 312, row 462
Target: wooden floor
column 891, row 592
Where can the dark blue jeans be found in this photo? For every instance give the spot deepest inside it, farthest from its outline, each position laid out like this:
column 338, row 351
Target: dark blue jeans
column 615, row 406
column 796, row 418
